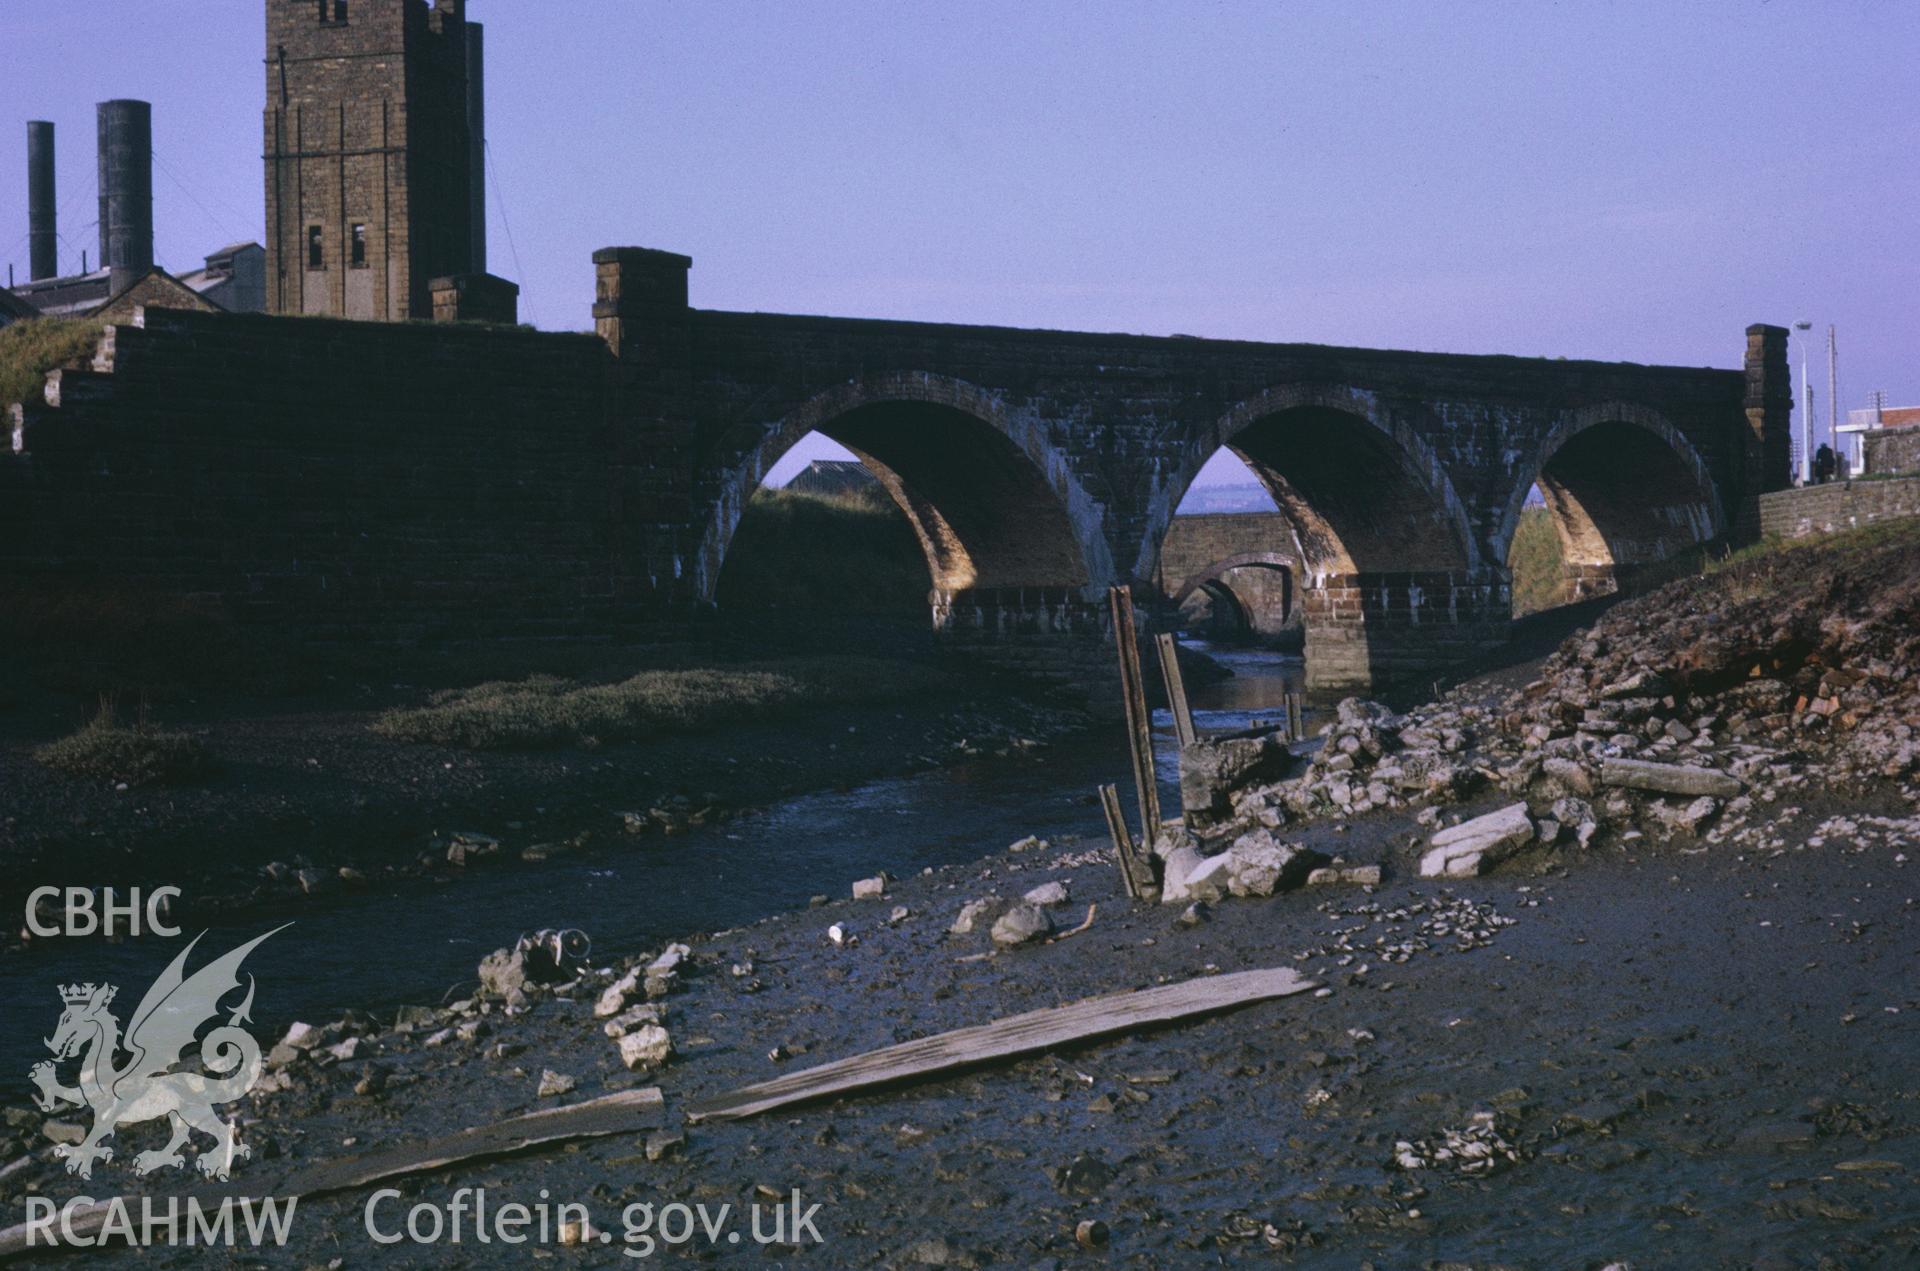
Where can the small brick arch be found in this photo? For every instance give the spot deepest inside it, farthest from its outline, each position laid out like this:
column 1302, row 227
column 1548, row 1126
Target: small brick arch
column 993, row 503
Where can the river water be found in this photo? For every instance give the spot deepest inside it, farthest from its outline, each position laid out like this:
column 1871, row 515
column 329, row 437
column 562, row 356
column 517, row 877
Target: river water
column 413, row 941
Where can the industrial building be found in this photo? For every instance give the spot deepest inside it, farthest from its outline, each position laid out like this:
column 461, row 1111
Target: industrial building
column 376, row 162
column 232, row 279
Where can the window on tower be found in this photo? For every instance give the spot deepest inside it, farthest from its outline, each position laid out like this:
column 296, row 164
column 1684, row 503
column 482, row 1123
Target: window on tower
column 339, row 10
column 357, row 246
column 316, row 248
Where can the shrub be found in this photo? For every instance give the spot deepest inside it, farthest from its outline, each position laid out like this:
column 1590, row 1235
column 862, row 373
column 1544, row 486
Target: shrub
column 543, row 710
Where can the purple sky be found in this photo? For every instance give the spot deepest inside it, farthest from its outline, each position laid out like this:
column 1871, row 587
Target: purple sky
column 1625, row 181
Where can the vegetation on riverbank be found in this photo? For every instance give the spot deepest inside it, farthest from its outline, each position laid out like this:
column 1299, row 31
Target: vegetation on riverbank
column 1539, row 572
column 137, row 753
column 545, row 710
column 28, row 350
column 851, row 553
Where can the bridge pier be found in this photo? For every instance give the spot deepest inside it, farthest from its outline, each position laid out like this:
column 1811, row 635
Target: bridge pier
column 1368, row 631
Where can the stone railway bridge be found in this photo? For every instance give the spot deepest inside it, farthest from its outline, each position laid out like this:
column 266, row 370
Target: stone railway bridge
column 410, row 480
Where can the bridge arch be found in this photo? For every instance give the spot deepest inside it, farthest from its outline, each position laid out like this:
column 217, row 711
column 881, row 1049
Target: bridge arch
column 1360, row 487
column 1624, row 487
column 1223, row 600
column 1246, row 560
column 996, row 508
column 1255, row 590
column 1391, row 580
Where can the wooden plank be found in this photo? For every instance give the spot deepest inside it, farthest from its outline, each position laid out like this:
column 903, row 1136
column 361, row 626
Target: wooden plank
column 1006, row 1039
column 1136, row 873
column 1133, row 692
column 1176, row 688
column 622, row 1113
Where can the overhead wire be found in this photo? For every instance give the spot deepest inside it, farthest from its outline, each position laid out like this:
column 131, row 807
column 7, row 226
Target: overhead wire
column 218, row 222
column 500, row 201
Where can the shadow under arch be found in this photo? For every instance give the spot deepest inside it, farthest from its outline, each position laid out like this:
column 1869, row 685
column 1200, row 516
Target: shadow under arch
column 1392, row 580
column 1225, row 608
column 1000, row 517
column 1350, row 480
column 1625, row 489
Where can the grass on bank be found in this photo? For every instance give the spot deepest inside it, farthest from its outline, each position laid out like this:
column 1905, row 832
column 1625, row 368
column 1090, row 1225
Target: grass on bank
column 850, row 553
column 545, row 710
column 1776, row 565
column 138, row 754
column 28, row 350
column 1539, row 571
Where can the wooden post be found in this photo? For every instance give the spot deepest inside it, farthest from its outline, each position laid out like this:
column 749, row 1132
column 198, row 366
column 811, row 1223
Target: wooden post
column 1135, row 875
column 1296, row 719
column 1139, row 719
column 1176, row 688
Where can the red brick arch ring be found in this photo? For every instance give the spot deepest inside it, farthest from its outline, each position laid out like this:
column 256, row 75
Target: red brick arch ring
column 994, row 504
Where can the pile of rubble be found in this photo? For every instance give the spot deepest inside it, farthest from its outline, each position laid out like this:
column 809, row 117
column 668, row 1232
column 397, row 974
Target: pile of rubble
column 1701, row 712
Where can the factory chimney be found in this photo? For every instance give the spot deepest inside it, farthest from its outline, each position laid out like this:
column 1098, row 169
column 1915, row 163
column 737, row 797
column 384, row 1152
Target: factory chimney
column 477, row 145
column 43, row 237
column 126, row 189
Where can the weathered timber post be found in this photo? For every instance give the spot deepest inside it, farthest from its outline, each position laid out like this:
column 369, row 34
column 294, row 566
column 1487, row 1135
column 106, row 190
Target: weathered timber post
column 1176, row 685
column 1133, row 691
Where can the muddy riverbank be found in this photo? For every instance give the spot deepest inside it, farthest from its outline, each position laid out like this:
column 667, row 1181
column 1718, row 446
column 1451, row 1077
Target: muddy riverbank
column 304, row 797
column 1696, row 1059
column 1658, row 1027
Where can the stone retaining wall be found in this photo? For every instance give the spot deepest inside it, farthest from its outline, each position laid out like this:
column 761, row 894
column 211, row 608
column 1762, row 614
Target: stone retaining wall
column 1841, row 505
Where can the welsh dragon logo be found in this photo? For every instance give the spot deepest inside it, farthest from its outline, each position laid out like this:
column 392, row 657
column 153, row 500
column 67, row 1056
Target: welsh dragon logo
column 145, row 1087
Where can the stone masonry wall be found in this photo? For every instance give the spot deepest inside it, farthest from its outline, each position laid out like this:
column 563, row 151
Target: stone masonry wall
column 1193, row 543
column 1892, row 450
column 1839, row 505
column 1202, row 544
column 346, row 480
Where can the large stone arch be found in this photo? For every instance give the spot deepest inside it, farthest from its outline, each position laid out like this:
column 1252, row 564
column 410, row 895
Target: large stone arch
column 1392, row 581
column 1625, row 488
column 1326, row 408
column 997, row 510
